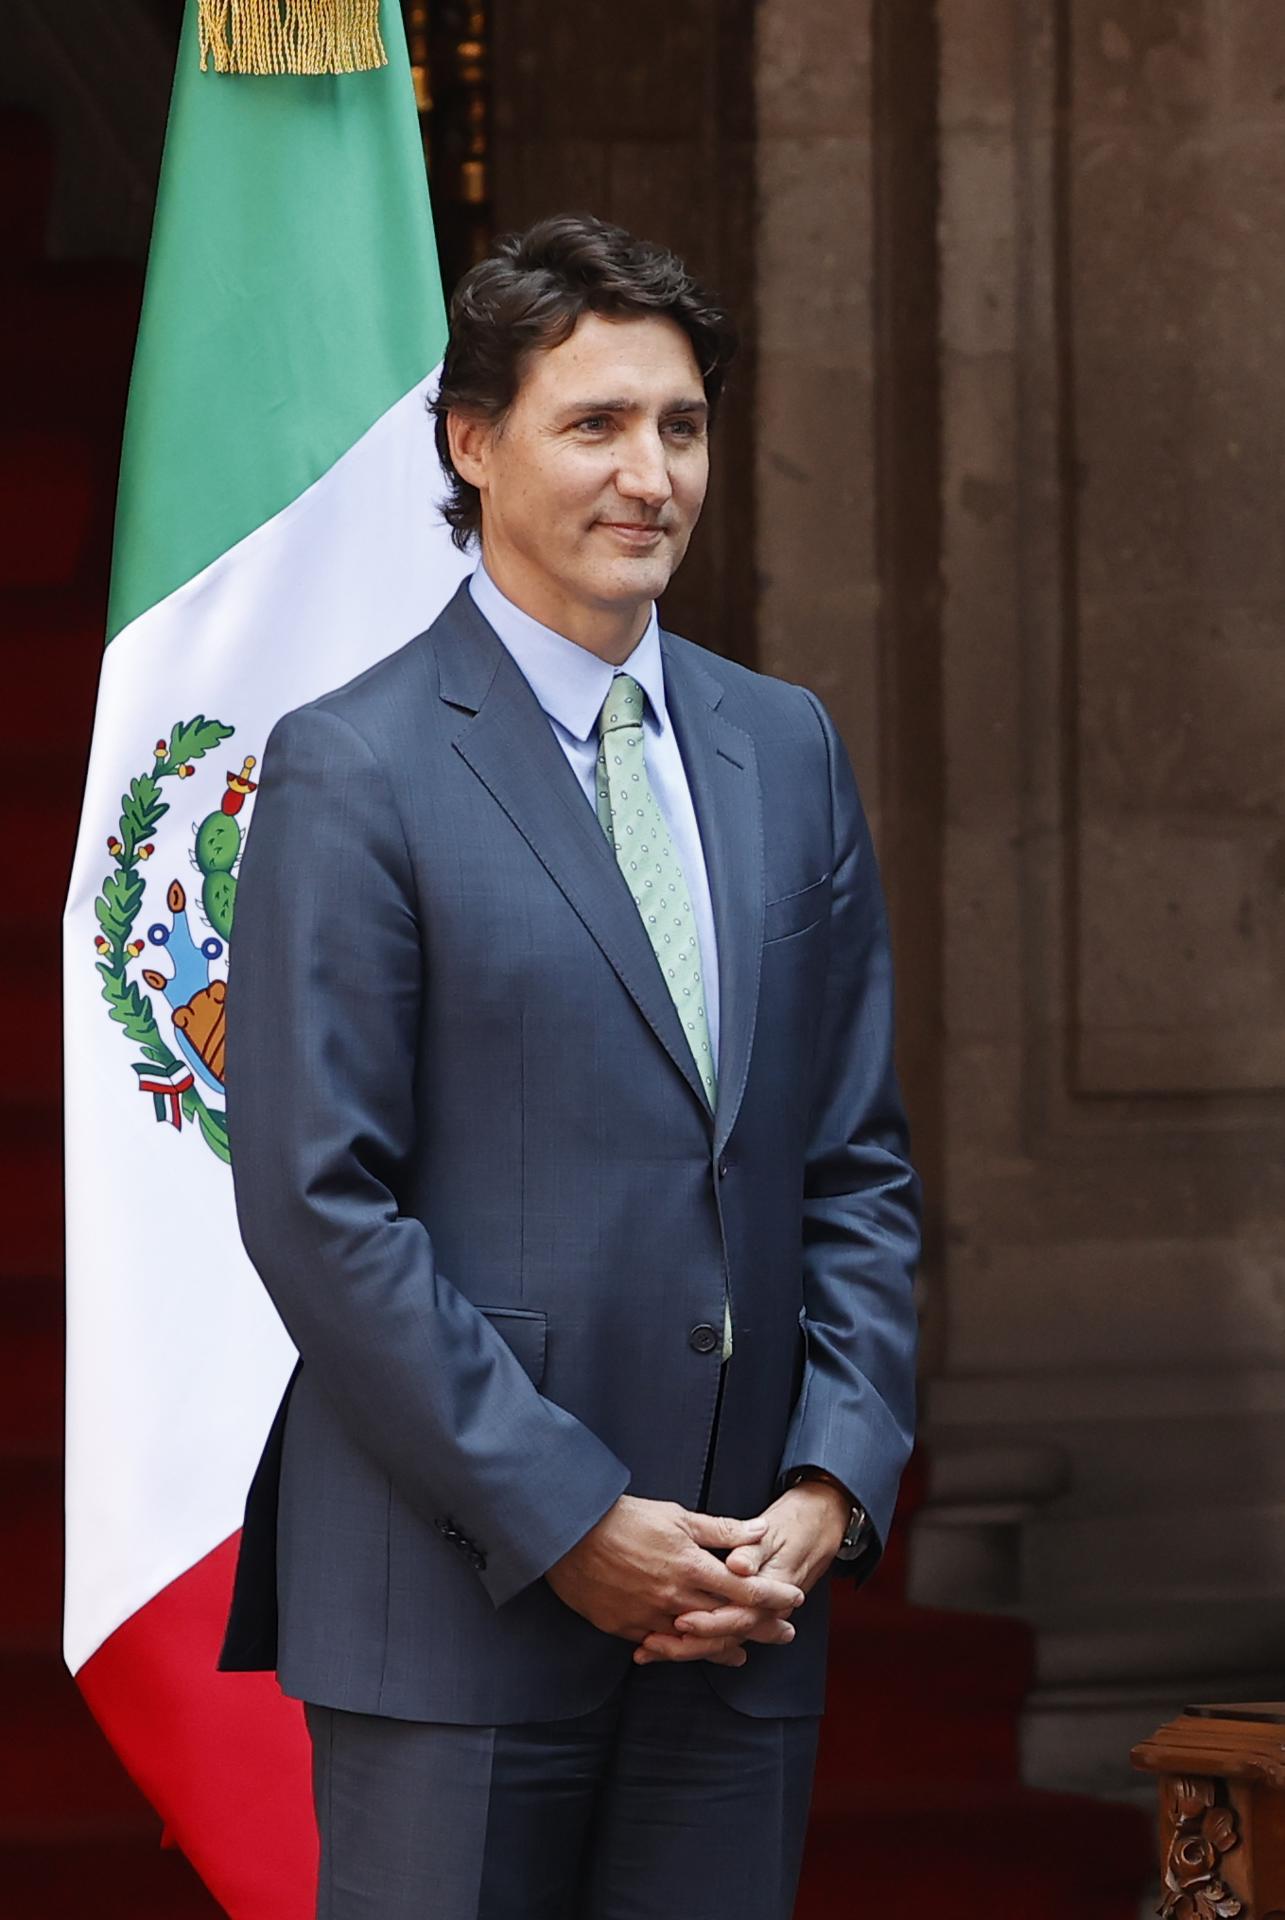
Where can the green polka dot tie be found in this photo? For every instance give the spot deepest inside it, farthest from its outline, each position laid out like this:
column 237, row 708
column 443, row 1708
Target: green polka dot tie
column 633, row 822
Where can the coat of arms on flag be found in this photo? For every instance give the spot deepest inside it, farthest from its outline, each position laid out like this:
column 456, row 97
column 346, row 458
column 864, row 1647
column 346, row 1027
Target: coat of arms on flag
column 183, row 1047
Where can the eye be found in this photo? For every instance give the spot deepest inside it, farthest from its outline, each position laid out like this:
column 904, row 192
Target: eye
column 595, row 423
column 685, row 429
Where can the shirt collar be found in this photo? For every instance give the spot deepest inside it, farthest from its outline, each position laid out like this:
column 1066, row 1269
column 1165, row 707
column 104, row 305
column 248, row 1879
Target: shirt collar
column 569, row 682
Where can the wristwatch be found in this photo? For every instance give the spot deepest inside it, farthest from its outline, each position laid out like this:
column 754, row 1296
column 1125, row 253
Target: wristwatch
column 854, row 1535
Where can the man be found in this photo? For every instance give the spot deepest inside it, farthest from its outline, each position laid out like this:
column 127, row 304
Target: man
column 568, row 1142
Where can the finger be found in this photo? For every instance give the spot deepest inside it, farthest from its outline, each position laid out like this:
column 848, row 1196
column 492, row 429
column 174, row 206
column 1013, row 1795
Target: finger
column 728, row 1657
column 760, row 1591
column 720, row 1530
column 689, row 1599
column 747, row 1560
column 765, row 1628
column 736, row 1621
column 672, row 1646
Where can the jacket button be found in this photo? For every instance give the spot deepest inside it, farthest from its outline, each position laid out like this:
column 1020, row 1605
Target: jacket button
column 722, row 1169
column 703, row 1339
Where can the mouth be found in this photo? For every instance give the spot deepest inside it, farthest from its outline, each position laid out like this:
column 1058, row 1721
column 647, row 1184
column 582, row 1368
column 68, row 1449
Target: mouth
column 634, row 533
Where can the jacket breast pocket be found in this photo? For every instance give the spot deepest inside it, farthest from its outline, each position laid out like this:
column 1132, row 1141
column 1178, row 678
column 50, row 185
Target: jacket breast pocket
column 795, row 912
column 524, row 1330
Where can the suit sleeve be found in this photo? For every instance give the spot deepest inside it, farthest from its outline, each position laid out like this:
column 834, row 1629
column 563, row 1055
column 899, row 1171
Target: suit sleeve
column 322, row 1012
column 856, row 1407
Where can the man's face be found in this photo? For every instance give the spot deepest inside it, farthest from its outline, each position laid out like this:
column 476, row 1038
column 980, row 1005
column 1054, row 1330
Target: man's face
column 591, row 487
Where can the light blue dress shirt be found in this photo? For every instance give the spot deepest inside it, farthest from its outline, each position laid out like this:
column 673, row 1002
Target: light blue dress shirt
column 571, row 684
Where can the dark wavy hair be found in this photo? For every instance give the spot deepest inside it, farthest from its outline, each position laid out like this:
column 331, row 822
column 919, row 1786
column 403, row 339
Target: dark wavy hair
column 527, row 296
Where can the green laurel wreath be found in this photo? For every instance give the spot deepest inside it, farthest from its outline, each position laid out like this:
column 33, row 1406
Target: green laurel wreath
column 117, row 908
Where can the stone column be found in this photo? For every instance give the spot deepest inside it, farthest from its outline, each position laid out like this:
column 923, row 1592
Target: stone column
column 847, row 525
column 815, row 441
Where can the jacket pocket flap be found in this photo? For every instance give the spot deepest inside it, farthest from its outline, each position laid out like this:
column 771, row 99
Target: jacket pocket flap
column 524, row 1330
column 795, row 912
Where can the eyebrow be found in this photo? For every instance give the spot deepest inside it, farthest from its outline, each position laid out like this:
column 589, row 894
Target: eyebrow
column 621, row 405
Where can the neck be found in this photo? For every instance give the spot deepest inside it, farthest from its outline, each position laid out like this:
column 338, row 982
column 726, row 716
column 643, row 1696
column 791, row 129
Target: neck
column 610, row 631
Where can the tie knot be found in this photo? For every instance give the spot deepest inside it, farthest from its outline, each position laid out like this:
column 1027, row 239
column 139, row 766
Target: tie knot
column 623, row 706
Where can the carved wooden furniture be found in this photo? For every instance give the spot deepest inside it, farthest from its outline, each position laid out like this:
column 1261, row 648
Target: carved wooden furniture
column 1221, row 1778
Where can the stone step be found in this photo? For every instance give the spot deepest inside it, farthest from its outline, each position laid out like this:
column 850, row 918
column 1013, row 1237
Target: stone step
column 965, row 1547
column 1131, row 1465
column 1166, row 1646
column 1201, row 1552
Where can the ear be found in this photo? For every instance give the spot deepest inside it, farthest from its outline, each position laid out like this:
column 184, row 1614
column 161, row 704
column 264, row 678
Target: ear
column 469, row 441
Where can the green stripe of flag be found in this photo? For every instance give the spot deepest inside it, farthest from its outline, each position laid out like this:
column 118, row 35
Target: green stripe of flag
column 292, row 296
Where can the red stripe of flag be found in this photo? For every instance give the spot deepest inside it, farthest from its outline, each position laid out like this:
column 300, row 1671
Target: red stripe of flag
column 223, row 1757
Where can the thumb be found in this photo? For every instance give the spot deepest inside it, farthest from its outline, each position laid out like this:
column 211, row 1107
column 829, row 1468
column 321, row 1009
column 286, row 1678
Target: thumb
column 720, row 1530
column 747, row 1561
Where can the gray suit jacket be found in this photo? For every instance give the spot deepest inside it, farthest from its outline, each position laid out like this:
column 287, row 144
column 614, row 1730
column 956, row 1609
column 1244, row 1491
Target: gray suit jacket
column 476, row 1170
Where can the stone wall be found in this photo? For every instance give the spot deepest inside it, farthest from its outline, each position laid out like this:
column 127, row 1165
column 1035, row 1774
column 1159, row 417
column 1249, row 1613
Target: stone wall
column 1113, row 307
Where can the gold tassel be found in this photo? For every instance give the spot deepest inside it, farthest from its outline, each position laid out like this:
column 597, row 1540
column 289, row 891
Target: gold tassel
column 290, row 36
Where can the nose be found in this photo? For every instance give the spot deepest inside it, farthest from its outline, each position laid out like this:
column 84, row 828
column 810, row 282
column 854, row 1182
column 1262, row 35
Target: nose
column 643, row 473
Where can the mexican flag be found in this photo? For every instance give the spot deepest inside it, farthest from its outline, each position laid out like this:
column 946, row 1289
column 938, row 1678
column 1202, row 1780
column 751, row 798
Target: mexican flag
column 276, row 533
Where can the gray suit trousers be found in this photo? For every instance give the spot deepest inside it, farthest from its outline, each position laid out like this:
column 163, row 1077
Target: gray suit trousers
column 663, row 1803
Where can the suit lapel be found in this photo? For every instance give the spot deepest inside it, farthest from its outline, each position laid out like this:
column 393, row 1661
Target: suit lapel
column 510, row 746
column 722, row 772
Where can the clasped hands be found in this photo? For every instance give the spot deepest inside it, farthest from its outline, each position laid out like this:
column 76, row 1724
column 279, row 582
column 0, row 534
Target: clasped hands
column 647, row 1572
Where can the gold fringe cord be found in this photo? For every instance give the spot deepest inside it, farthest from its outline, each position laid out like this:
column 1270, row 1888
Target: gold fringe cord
column 290, row 36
